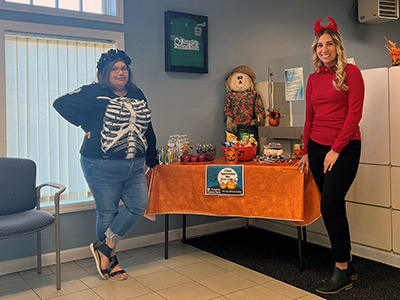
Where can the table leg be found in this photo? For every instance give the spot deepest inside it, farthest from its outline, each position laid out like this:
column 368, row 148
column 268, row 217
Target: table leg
column 300, row 244
column 166, row 228
column 305, row 235
column 184, row 229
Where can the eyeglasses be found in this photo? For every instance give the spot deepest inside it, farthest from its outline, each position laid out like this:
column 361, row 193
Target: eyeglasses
column 116, row 70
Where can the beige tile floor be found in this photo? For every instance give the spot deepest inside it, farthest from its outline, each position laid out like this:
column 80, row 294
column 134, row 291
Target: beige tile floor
column 188, row 274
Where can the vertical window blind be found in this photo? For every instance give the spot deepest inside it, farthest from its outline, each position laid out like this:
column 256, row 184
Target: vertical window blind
column 38, row 70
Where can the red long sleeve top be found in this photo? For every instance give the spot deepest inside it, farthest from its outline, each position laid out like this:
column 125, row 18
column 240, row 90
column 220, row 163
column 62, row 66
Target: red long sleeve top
column 332, row 116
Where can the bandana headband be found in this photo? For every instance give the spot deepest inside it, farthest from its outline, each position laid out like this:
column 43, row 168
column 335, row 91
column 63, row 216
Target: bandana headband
column 331, row 26
column 111, row 55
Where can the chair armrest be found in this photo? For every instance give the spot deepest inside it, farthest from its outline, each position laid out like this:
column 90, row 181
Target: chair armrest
column 61, row 188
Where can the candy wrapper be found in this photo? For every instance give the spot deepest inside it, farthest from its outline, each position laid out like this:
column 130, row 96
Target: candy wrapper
column 230, row 137
column 244, row 137
column 246, row 140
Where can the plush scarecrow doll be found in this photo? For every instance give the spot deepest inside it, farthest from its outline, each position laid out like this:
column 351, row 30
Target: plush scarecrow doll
column 243, row 107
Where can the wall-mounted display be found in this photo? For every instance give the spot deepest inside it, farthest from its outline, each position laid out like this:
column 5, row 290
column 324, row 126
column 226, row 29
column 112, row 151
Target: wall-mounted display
column 186, row 42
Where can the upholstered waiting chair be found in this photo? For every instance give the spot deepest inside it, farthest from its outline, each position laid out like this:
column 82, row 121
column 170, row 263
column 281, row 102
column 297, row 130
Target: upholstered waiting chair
column 20, row 205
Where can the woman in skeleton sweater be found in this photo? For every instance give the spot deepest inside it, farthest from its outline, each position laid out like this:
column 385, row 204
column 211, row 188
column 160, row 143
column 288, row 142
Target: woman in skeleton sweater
column 118, row 143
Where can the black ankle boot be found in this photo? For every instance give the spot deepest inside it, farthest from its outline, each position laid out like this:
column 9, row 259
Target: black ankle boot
column 353, row 271
column 340, row 280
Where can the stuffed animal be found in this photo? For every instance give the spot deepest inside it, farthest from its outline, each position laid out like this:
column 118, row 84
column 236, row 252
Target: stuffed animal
column 186, row 148
column 243, row 108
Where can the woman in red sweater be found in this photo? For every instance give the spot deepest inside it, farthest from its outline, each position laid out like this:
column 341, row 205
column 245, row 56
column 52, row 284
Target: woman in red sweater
column 332, row 143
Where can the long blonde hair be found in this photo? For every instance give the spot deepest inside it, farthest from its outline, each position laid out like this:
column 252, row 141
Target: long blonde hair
column 341, row 60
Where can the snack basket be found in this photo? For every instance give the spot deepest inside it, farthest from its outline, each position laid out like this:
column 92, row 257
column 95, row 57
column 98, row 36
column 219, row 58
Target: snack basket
column 245, row 153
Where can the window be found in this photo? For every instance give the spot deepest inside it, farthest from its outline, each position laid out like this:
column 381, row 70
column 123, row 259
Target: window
column 101, row 10
column 38, row 68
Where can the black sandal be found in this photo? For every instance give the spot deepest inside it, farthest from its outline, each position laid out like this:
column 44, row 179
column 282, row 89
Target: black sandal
column 114, row 262
column 96, row 247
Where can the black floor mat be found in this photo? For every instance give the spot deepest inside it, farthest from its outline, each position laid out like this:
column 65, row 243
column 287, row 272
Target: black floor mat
column 277, row 256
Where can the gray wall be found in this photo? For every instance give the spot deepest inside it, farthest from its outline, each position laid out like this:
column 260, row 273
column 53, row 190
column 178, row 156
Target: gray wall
column 252, row 32
column 240, row 32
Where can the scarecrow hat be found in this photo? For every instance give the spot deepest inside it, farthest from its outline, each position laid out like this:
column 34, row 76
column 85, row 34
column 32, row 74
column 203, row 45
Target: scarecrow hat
column 244, row 69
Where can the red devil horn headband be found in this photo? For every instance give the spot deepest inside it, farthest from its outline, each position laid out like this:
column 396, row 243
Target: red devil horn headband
column 331, row 26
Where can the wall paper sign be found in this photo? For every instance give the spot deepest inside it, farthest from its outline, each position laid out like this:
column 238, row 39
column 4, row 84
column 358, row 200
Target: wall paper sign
column 294, row 84
column 186, row 42
column 225, row 180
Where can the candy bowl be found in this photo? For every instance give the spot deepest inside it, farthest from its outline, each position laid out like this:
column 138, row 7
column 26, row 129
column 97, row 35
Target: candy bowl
column 207, row 149
column 245, row 153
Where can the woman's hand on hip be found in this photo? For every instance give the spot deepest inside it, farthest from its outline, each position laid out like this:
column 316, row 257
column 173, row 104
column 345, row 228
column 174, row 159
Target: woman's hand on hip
column 330, row 159
column 303, row 164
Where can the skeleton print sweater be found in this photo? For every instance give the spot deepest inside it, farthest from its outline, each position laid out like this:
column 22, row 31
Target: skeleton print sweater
column 120, row 127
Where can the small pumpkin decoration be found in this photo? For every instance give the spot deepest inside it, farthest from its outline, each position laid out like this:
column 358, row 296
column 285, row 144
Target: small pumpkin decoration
column 231, row 156
column 298, row 148
column 298, row 153
column 395, row 60
column 230, row 185
column 274, row 117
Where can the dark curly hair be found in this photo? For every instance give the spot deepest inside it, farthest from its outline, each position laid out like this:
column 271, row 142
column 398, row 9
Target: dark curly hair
column 111, row 55
column 105, row 64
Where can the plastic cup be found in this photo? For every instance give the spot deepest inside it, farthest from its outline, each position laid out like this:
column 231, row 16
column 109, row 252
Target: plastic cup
column 231, row 156
column 298, row 153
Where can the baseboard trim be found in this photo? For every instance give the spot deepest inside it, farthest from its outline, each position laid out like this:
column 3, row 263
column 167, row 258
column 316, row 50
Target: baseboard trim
column 379, row 255
column 27, row 263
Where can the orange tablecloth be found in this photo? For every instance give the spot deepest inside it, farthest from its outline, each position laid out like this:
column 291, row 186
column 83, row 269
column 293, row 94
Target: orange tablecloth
column 273, row 192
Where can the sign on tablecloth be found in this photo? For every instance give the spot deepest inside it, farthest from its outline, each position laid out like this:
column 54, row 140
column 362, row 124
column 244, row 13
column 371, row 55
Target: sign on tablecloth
column 225, row 180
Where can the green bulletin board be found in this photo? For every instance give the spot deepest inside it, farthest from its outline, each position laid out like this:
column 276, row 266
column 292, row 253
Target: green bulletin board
column 186, row 42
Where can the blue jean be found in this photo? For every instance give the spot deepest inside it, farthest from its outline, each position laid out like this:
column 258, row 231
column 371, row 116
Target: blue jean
column 112, row 180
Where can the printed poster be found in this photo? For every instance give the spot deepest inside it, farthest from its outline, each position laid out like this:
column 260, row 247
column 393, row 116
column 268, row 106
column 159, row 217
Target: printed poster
column 225, row 180
column 294, row 84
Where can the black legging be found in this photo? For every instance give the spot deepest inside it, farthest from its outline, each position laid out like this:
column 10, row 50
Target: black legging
column 334, row 186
